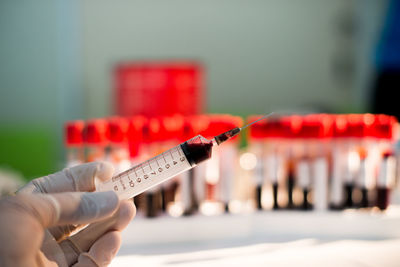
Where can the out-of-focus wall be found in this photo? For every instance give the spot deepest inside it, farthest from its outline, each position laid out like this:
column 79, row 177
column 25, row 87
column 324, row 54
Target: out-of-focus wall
column 369, row 16
column 261, row 55
column 39, row 82
column 56, row 59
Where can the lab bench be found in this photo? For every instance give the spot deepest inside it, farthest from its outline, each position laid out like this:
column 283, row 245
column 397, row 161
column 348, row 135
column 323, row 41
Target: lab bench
column 264, row 235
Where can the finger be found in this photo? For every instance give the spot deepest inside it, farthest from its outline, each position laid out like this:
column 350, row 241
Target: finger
column 78, row 178
column 82, row 241
column 102, row 251
column 74, row 179
column 60, row 232
column 66, row 208
column 51, row 252
column 63, row 231
column 16, row 229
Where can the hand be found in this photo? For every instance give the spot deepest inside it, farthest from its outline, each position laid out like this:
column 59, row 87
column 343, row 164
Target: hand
column 36, row 225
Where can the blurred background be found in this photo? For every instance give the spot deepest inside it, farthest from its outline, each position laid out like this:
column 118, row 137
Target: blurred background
column 57, row 60
column 79, row 60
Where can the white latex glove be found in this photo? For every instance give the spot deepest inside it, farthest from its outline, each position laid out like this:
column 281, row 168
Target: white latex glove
column 36, row 225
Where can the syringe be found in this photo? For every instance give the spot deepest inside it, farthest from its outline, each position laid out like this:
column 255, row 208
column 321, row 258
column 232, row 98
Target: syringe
column 166, row 165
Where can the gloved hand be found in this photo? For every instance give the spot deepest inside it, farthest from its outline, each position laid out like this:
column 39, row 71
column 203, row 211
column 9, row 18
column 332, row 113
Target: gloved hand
column 36, row 225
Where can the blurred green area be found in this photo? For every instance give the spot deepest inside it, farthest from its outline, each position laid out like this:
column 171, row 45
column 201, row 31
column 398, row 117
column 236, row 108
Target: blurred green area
column 29, row 149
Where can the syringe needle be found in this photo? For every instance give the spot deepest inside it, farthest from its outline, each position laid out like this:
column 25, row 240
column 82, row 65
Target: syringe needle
column 231, row 133
column 251, row 123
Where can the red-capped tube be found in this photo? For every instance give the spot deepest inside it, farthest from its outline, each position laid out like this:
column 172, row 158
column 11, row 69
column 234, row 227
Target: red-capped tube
column 95, row 136
column 74, row 142
column 171, row 128
column 74, row 133
column 384, row 127
column 118, row 130
column 257, row 131
column 135, row 135
column 340, row 124
column 96, row 132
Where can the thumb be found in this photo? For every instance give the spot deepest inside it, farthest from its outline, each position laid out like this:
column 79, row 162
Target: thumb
column 68, row 208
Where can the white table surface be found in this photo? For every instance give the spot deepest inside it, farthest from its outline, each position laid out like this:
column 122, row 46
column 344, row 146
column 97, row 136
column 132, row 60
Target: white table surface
column 283, row 238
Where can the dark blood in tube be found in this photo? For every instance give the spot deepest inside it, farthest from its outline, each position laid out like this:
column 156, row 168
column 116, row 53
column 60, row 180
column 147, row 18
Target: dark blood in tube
column 349, row 195
column 385, row 180
column 290, row 187
column 382, row 198
column 275, row 195
column 258, row 197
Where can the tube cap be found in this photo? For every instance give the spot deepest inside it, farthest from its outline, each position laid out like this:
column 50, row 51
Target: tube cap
column 73, row 133
column 171, row 127
column 118, row 128
column 221, row 123
column 194, row 125
column 340, row 124
column 384, row 127
column 258, row 130
column 96, row 132
column 136, row 134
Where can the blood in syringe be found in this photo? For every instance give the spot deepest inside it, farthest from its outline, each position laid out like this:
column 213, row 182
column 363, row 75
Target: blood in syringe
column 197, row 152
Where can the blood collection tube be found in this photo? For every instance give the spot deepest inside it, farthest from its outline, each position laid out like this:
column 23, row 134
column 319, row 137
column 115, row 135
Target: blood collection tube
column 118, row 128
column 385, row 132
column 73, row 136
column 312, row 169
column 257, row 135
column 191, row 183
column 320, row 164
column 339, row 162
column 228, row 160
column 135, row 138
column 153, row 197
column 386, row 180
column 136, row 152
column 303, row 179
column 303, row 165
column 163, row 133
column 293, row 149
column 212, row 204
column 354, row 134
column 368, row 154
column 396, row 150
column 365, row 178
column 95, row 136
column 275, row 165
column 171, row 128
column 199, row 124
column 288, row 133
column 185, row 203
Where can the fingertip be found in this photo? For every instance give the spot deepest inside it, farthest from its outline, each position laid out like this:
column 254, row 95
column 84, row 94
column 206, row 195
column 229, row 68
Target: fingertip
column 106, row 201
column 114, row 241
column 127, row 209
column 102, row 251
column 109, row 242
column 86, row 176
column 104, row 171
column 86, row 207
column 126, row 212
column 105, row 248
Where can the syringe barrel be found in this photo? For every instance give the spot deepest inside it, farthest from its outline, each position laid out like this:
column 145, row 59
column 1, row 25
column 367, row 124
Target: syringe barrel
column 197, row 149
column 158, row 169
